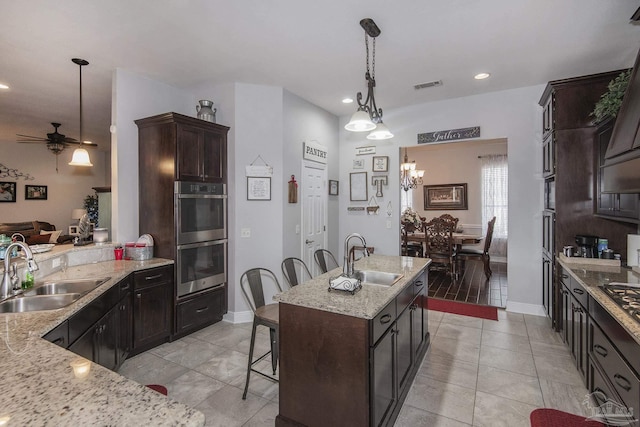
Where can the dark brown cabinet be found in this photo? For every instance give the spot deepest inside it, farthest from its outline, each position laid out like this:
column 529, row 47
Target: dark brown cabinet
column 152, row 307
column 384, row 391
column 574, row 300
column 59, row 335
column 202, row 308
column 201, row 152
column 547, row 285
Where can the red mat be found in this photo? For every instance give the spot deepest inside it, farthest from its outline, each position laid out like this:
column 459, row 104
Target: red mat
column 463, row 308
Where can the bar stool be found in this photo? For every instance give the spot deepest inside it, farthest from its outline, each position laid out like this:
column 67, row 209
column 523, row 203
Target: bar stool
column 251, row 283
column 290, row 268
column 325, row 260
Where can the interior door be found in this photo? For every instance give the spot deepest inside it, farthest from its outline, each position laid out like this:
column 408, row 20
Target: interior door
column 314, row 214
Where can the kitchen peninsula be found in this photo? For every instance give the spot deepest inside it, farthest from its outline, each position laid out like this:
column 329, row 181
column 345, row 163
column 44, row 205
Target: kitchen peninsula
column 37, row 385
column 350, row 359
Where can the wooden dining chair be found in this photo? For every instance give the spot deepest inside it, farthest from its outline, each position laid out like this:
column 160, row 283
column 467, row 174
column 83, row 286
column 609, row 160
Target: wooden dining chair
column 483, row 255
column 295, row 271
column 325, row 260
column 439, row 243
column 451, row 219
column 410, row 248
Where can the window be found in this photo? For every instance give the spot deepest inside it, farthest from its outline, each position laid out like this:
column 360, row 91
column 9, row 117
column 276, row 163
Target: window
column 495, row 200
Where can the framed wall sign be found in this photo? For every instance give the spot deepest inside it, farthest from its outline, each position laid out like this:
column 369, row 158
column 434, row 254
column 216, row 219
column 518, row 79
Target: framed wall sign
column 258, row 188
column 358, row 164
column 7, row 191
column 35, row 192
column 445, row 197
column 333, row 187
column 358, row 187
column 380, row 163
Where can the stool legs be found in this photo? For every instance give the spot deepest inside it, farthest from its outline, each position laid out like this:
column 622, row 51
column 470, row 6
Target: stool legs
column 273, row 334
column 253, row 341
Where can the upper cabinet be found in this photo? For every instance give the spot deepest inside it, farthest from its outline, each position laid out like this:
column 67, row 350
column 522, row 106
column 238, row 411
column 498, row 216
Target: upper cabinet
column 187, row 148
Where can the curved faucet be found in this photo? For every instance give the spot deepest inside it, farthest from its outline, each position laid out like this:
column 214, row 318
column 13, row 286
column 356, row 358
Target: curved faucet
column 7, row 282
column 347, row 267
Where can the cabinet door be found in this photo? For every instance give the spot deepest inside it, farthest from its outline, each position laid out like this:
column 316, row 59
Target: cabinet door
column 383, row 388
column 628, row 206
column 86, row 345
column 581, row 338
column 214, row 157
column 548, row 157
column 107, row 340
column 403, row 345
column 125, row 322
column 547, row 116
column 547, row 282
column 548, row 233
column 151, row 315
column 189, row 153
column 59, row 335
column 567, row 326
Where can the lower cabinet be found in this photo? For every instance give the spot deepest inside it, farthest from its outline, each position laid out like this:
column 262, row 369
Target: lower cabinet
column 383, row 394
column 152, row 305
column 200, row 310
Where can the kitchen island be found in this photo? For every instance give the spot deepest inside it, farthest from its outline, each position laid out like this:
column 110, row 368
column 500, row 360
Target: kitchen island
column 37, row 385
column 350, row 359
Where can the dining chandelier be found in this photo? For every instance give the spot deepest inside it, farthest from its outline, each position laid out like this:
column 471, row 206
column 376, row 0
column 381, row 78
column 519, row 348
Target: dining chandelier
column 410, row 178
column 369, row 116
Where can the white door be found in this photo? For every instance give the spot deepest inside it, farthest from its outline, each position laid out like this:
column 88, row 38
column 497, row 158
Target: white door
column 314, row 214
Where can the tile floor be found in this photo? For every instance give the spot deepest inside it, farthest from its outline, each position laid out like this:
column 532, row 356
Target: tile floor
column 477, row 372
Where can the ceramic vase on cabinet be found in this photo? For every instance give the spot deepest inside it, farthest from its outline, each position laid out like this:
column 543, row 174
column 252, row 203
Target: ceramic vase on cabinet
column 205, row 112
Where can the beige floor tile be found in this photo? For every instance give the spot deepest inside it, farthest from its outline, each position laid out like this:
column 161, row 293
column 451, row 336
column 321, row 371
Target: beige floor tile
column 449, row 370
column 170, row 347
column 265, row 416
column 520, row 363
column 541, row 348
column 522, row 388
column 435, row 316
column 505, row 341
column 448, row 400
column 508, row 315
column 147, row 368
column 532, row 320
column 460, row 333
column 496, row 411
column 556, row 368
column 457, row 319
column 543, row 333
column 228, row 366
column 506, row 326
column 194, row 353
column 454, row 349
column 192, row 388
column 415, row 417
column 564, row 397
column 225, row 408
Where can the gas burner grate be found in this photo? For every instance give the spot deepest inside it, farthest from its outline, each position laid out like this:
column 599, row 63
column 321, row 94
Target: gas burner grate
column 628, row 298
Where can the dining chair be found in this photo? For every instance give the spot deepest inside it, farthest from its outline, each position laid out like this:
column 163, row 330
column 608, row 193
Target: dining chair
column 251, row 283
column 295, row 271
column 452, row 219
column 483, row 255
column 410, row 247
column 439, row 243
column 325, row 260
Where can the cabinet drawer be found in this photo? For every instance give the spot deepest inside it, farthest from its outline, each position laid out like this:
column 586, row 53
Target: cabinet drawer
column 405, row 297
column 383, row 321
column 59, row 335
column 201, row 309
column 622, row 378
column 599, row 387
column 578, row 291
column 92, row 313
column 152, row 277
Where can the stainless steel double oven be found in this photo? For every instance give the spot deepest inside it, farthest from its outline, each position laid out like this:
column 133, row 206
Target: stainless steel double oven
column 201, row 236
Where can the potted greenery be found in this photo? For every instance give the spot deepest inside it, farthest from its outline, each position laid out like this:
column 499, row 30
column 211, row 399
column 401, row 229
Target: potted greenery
column 610, row 102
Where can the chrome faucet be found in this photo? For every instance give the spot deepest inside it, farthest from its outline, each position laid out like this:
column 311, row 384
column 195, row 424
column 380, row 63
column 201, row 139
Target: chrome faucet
column 347, row 267
column 10, row 280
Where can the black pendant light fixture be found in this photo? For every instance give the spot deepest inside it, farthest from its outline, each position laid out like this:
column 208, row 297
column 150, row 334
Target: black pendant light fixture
column 80, row 155
column 369, row 116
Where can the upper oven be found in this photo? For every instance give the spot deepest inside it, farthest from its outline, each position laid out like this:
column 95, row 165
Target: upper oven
column 200, row 212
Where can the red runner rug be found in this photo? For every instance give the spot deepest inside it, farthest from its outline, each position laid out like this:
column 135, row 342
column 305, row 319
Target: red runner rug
column 463, row 308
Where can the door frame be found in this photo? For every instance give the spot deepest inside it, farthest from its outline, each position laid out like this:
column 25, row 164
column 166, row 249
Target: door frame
column 322, row 167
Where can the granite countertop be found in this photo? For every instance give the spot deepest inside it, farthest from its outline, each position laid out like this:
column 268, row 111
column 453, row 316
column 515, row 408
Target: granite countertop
column 591, row 276
column 365, row 303
column 37, row 386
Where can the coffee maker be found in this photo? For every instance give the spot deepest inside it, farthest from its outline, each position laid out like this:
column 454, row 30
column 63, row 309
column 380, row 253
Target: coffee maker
column 587, row 246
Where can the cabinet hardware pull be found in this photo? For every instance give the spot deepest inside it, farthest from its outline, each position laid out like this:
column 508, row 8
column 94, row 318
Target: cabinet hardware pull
column 600, row 350
column 200, row 310
column 58, row 341
column 157, row 276
column 124, row 287
column 419, row 283
column 598, row 391
column 385, row 319
column 626, row 384
column 565, row 276
column 578, row 291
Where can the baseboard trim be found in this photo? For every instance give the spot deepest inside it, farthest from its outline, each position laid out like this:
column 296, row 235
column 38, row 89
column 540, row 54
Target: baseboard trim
column 521, row 307
column 238, row 317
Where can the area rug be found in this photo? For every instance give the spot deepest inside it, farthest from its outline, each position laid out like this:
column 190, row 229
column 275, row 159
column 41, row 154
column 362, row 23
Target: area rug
column 463, row 308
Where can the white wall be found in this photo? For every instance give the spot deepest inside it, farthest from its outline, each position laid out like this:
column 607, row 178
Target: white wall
column 512, row 114
column 66, row 189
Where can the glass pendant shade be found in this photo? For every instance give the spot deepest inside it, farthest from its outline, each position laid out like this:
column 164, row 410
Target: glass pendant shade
column 360, row 122
column 80, row 158
column 380, row 132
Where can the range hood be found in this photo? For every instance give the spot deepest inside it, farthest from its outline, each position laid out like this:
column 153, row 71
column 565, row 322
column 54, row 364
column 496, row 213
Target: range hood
column 621, row 171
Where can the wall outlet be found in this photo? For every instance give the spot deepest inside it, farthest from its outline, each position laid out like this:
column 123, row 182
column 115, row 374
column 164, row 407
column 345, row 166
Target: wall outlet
column 388, row 223
column 55, row 262
column 245, row 232
column 297, row 228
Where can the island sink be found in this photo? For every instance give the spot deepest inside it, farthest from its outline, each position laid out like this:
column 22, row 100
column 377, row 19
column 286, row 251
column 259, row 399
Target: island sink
column 379, row 278
column 37, row 303
column 80, row 286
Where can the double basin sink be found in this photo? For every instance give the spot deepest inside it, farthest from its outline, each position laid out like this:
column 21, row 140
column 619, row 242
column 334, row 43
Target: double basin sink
column 51, row 295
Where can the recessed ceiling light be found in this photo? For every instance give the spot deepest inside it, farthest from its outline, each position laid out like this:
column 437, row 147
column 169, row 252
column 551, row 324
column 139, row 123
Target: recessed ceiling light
column 3, row 86
column 481, row 76
column 347, row 101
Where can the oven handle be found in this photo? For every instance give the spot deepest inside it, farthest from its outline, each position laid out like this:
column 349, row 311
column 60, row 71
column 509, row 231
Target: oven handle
column 201, row 196
column 202, row 244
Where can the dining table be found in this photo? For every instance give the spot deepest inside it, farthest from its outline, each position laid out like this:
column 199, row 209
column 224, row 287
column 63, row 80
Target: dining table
column 459, row 239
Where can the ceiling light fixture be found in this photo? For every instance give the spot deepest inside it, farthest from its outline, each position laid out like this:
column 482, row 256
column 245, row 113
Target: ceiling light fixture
column 3, row 86
column 482, row 76
column 80, row 155
column 369, row 116
column 410, row 178
column 347, row 101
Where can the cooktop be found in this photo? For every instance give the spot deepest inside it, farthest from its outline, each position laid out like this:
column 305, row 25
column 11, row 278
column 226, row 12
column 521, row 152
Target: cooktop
column 625, row 295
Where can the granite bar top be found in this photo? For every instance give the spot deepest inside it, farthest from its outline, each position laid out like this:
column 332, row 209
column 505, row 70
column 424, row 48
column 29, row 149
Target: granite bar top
column 365, row 303
column 37, row 385
column 592, row 276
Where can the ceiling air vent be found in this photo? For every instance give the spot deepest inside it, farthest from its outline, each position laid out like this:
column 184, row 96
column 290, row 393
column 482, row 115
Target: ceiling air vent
column 427, row 85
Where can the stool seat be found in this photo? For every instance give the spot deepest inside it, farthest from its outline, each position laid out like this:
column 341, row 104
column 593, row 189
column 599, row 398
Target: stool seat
column 547, row 417
column 269, row 313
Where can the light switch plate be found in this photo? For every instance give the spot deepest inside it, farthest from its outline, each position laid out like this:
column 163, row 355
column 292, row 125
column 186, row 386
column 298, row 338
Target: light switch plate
column 245, row 232
column 297, row 228
column 388, row 223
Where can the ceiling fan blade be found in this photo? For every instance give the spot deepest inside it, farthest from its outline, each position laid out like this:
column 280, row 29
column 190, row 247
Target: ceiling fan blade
column 31, row 141
column 70, row 140
column 88, row 144
column 31, row 137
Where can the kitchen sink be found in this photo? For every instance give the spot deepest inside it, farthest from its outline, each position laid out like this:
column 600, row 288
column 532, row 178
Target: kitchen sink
column 71, row 286
column 379, row 278
column 38, row 303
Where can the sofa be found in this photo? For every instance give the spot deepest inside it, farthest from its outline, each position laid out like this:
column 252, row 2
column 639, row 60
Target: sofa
column 33, row 232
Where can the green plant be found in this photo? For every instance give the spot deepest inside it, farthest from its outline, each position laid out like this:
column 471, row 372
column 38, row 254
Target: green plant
column 610, row 101
column 91, row 205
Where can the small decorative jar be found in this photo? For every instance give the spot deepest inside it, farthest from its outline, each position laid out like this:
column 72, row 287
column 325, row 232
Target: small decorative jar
column 205, row 112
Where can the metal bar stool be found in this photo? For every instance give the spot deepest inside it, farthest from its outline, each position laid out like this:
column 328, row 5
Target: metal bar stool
column 251, row 283
column 325, row 260
column 295, row 271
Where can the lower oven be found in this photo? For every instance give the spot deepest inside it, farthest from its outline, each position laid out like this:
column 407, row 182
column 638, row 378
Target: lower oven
column 201, row 265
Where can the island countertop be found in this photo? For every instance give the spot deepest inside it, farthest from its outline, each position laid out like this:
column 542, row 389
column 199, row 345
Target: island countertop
column 365, row 303
column 37, row 386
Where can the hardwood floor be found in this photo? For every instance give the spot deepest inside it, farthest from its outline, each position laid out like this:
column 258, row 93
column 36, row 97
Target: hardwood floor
column 471, row 285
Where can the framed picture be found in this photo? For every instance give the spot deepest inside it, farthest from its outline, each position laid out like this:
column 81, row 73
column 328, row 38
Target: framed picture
column 258, row 188
column 333, row 187
column 35, row 192
column 7, row 191
column 380, row 164
column 358, row 164
column 358, row 187
column 445, row 197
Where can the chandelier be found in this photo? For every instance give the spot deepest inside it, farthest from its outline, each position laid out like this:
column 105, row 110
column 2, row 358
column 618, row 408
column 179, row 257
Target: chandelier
column 410, row 178
column 369, row 116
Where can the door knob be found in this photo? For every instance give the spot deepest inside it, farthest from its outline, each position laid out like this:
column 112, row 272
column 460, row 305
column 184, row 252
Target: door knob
column 308, row 241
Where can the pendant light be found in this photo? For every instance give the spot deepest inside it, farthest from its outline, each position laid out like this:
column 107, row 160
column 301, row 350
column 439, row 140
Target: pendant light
column 80, row 155
column 369, row 116
column 410, row 178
